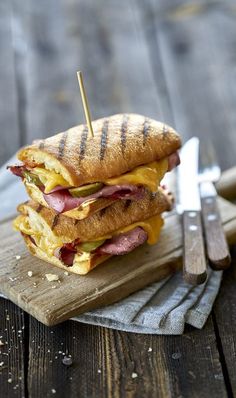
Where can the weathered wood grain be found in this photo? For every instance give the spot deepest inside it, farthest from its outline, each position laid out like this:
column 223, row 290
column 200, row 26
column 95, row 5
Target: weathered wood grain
column 9, row 132
column 198, row 64
column 194, row 257
column 52, row 303
column 217, row 249
column 108, row 363
column 12, row 350
column 49, row 94
column 225, row 319
column 107, row 48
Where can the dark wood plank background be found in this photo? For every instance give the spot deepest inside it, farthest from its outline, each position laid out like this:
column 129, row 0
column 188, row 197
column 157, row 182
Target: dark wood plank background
column 173, row 60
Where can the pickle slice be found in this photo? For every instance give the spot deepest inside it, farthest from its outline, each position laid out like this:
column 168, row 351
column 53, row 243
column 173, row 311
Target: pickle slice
column 85, row 190
column 90, row 246
column 32, row 178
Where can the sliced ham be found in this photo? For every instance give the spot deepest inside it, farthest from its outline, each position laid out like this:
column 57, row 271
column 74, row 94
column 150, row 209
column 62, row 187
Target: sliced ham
column 62, row 201
column 66, row 253
column 18, row 170
column 118, row 245
column 173, row 161
column 124, row 243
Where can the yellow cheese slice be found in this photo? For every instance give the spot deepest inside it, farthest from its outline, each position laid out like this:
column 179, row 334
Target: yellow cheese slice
column 50, row 179
column 21, row 223
column 151, row 225
column 149, row 175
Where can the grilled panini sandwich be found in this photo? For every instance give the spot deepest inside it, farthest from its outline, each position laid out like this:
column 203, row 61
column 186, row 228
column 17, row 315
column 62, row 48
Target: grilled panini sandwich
column 80, row 245
column 78, row 175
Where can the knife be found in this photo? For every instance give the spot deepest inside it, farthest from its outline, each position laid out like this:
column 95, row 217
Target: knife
column 189, row 206
column 216, row 245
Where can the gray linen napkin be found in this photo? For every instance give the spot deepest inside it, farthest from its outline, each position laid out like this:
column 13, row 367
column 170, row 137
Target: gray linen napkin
column 161, row 308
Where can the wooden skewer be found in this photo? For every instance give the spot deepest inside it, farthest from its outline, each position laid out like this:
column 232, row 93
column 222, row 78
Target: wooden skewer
column 85, row 103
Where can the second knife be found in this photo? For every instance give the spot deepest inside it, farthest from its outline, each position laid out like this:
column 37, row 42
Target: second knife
column 189, row 205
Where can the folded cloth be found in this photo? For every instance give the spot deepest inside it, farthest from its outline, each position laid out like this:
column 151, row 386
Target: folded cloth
column 161, row 308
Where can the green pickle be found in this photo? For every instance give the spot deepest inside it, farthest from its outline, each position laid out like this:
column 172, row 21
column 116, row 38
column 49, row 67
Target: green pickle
column 86, row 190
column 90, row 246
column 32, row 178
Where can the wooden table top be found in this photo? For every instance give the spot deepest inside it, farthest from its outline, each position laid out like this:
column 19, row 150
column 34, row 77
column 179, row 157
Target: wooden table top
column 170, row 60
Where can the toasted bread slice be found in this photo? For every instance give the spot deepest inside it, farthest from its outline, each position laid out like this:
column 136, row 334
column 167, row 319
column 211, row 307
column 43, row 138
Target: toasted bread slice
column 120, row 143
column 78, row 267
column 118, row 215
column 86, row 209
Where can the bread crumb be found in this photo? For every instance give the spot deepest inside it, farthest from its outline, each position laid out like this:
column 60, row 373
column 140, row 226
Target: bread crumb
column 52, row 277
column 1, row 363
column 1, row 343
column 53, row 390
column 66, row 273
column 30, row 273
column 67, row 361
column 18, row 257
column 134, row 375
column 150, row 349
column 9, row 380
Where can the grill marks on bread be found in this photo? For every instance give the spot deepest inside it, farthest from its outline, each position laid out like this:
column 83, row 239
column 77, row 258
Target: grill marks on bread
column 146, row 127
column 55, row 221
column 103, row 212
column 115, row 217
column 83, row 142
column 165, row 130
column 39, row 208
column 127, row 204
column 124, row 129
column 61, row 146
column 41, row 145
column 103, row 145
column 118, row 147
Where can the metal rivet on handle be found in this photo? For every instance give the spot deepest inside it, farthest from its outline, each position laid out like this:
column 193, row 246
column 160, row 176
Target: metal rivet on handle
column 192, row 228
column 192, row 214
column 211, row 217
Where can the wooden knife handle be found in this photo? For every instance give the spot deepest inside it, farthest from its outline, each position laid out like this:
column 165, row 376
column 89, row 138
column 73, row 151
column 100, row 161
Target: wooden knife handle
column 195, row 266
column 216, row 245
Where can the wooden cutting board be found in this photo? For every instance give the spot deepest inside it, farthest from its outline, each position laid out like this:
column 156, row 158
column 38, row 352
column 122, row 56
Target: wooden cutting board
column 54, row 302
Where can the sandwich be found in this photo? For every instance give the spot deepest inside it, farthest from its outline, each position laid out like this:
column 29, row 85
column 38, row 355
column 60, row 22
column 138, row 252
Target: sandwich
column 79, row 246
column 96, row 197
column 77, row 175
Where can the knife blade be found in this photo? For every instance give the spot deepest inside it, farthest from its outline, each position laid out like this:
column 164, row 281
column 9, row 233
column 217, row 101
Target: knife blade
column 189, row 206
column 216, row 244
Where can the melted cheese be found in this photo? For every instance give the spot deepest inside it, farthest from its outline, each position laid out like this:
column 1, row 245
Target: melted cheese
column 21, row 223
column 50, row 179
column 151, row 225
column 148, row 175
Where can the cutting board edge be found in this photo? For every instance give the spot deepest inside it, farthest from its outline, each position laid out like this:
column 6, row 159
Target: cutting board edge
column 166, row 269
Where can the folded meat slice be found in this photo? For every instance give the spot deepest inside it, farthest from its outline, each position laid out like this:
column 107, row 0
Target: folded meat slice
column 18, row 170
column 66, row 254
column 118, row 245
column 124, row 243
column 173, row 161
column 62, row 201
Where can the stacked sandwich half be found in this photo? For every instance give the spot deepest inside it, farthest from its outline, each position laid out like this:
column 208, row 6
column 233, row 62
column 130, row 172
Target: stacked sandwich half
column 96, row 197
